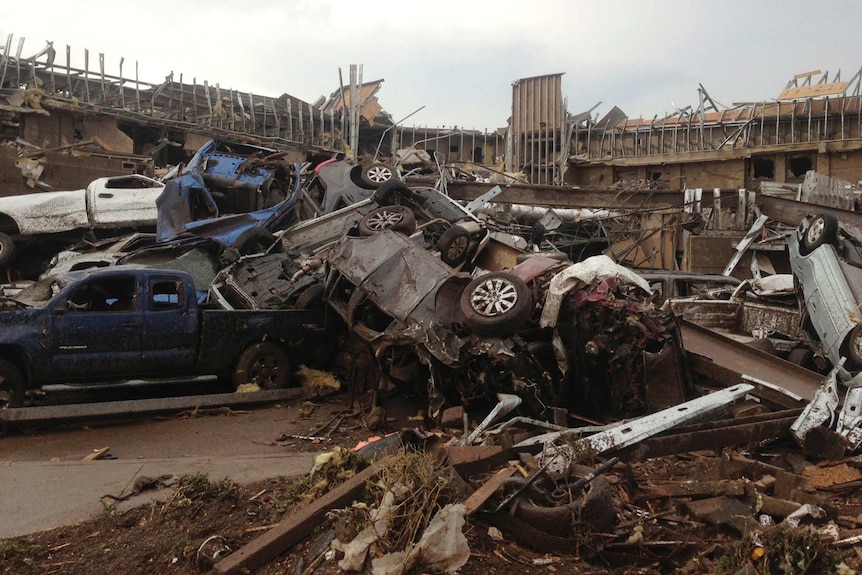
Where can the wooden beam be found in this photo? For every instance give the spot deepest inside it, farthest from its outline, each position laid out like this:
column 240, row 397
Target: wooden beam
column 806, row 74
column 297, row 525
column 802, row 92
column 481, row 495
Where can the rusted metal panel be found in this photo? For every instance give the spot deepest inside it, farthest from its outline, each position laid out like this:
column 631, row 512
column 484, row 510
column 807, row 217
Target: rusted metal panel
column 713, row 435
column 739, row 359
column 567, row 197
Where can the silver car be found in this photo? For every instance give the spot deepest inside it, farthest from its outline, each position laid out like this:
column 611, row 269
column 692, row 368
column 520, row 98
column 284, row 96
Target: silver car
column 826, row 262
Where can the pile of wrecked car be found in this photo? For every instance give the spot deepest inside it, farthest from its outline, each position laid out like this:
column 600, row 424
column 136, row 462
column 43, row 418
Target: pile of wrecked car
column 579, row 371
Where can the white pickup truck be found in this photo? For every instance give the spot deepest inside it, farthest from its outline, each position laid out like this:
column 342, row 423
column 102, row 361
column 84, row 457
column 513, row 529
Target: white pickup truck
column 107, row 203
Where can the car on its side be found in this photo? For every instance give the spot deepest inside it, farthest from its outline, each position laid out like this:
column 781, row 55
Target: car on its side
column 827, row 263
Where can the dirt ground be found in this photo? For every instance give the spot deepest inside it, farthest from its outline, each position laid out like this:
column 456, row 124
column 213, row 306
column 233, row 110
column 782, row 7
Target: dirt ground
column 653, row 530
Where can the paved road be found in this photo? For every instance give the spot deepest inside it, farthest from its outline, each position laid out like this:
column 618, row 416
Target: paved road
column 46, row 484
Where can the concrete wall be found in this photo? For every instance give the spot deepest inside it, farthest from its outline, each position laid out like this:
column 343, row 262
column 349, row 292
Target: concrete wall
column 105, row 132
column 590, row 176
column 710, row 253
column 52, row 131
column 844, row 165
column 728, row 174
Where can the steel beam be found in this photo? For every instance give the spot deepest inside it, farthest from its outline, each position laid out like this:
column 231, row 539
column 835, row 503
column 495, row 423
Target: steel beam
column 568, row 197
column 725, row 360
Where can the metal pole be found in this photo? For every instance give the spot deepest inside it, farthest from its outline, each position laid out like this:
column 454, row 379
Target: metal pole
column 6, row 59
column 122, row 86
column 87, row 74
column 102, row 70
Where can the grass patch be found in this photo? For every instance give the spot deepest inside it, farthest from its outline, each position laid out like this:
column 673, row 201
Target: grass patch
column 785, row 550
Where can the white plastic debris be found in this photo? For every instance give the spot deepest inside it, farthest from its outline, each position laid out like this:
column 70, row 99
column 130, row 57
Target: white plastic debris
column 806, row 510
column 356, row 551
column 443, row 547
column 589, row 271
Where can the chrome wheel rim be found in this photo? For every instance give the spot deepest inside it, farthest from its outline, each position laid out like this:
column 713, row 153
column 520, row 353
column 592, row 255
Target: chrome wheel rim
column 457, row 248
column 379, row 174
column 494, row 297
column 816, row 230
column 264, row 372
column 384, row 220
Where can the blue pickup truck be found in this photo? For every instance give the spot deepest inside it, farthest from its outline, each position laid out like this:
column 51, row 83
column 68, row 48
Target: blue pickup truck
column 124, row 323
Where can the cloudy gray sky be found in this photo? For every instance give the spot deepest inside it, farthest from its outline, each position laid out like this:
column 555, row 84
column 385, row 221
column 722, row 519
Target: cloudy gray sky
column 458, row 58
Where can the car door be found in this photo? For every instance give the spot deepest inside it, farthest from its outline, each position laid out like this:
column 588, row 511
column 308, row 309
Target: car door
column 170, row 326
column 96, row 330
column 123, row 201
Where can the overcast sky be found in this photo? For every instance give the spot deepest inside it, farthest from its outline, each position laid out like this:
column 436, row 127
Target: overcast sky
column 458, row 59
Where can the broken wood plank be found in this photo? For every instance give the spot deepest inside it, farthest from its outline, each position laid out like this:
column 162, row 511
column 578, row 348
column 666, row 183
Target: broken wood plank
column 724, row 511
column 481, row 495
column 457, row 454
column 777, row 507
column 295, row 526
column 96, row 454
column 734, row 487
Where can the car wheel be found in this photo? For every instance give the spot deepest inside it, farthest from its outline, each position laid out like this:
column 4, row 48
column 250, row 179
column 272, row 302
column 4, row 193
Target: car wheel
column 254, row 241
column 496, row 304
column 263, row 364
column 11, row 385
column 311, row 297
column 823, row 230
column 7, row 249
column 377, row 174
column 454, row 246
column 854, row 347
column 803, row 357
column 389, row 192
column 395, row 218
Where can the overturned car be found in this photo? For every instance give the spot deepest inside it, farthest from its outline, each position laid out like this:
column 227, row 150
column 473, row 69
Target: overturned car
column 460, row 339
column 827, row 263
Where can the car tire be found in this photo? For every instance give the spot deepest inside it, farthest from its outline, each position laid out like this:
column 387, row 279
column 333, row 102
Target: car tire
column 822, row 230
column 254, row 241
column 311, row 297
column 496, row 304
column 854, row 348
column 264, row 364
column 395, row 218
column 7, row 249
column 389, row 192
column 11, row 385
column 377, row 174
column 454, row 246
column 803, row 357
